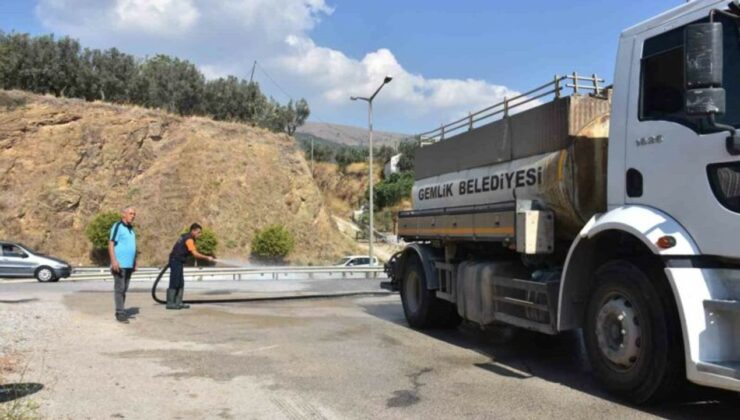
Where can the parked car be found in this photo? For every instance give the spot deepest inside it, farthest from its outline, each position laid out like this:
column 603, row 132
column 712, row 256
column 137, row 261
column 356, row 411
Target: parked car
column 17, row 260
column 356, row 261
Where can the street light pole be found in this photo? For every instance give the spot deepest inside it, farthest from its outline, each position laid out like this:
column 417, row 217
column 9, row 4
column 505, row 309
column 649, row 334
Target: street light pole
column 372, row 195
column 370, row 145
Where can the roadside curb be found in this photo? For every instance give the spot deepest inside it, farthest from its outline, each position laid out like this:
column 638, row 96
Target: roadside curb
column 191, row 280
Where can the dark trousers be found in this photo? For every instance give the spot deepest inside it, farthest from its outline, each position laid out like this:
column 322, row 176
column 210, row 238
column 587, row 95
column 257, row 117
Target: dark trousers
column 121, row 280
column 177, row 277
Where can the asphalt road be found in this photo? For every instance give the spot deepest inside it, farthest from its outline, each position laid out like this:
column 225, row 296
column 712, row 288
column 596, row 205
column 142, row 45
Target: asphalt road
column 327, row 358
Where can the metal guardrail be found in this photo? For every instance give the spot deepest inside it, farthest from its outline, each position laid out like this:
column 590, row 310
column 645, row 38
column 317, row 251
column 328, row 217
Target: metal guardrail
column 241, row 273
column 103, row 270
column 555, row 87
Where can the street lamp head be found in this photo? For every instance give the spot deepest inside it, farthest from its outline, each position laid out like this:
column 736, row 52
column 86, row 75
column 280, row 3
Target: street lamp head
column 387, row 79
column 354, row 98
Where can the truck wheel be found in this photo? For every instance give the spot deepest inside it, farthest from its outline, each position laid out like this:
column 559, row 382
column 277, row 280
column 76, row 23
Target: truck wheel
column 632, row 334
column 422, row 308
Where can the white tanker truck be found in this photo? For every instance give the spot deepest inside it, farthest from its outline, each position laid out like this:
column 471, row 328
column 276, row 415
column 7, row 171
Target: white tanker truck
column 614, row 210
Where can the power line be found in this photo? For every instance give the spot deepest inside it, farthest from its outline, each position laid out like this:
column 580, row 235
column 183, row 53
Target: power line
column 289, row 96
column 273, row 81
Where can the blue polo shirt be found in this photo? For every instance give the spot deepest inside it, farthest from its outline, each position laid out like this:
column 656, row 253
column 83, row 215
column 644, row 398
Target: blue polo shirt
column 124, row 244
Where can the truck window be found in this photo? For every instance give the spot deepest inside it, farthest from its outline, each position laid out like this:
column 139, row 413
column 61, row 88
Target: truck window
column 662, row 78
column 662, row 86
column 725, row 181
column 731, row 65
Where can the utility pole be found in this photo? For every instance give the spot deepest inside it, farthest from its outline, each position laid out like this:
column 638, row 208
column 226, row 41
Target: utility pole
column 311, row 155
column 251, row 76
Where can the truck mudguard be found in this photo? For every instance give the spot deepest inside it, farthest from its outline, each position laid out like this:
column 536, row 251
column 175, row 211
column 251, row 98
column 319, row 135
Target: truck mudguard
column 643, row 223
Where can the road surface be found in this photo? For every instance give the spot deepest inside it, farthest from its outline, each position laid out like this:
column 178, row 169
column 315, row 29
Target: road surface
column 349, row 358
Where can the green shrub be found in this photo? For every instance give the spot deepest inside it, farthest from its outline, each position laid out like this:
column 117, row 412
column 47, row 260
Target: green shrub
column 273, row 242
column 346, row 155
column 322, row 152
column 98, row 230
column 391, row 191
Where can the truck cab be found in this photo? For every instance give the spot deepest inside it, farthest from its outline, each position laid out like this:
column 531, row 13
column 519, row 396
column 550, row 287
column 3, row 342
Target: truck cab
column 660, row 156
column 675, row 174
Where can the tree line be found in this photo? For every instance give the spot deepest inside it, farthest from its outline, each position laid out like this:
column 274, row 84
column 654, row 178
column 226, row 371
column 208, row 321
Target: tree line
column 342, row 155
column 61, row 67
column 346, row 155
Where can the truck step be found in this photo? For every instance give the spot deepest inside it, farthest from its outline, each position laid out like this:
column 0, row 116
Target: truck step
column 526, row 323
column 527, row 285
column 727, row 369
column 722, row 305
column 521, row 302
column 541, row 298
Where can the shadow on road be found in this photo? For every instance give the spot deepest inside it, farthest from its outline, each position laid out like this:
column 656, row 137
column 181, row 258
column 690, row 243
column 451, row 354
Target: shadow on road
column 522, row 354
column 131, row 312
column 18, row 301
column 10, row 392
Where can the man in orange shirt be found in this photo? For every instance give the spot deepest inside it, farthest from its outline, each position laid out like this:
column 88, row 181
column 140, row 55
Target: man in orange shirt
column 183, row 247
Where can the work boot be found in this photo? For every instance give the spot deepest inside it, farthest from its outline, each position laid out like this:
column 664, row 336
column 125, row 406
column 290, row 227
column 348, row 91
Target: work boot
column 181, row 305
column 172, row 299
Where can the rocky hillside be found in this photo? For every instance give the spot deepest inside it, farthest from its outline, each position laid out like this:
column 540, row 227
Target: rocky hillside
column 344, row 190
column 62, row 161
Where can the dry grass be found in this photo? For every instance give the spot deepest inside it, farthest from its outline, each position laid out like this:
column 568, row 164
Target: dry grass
column 18, row 408
column 344, row 190
column 11, row 102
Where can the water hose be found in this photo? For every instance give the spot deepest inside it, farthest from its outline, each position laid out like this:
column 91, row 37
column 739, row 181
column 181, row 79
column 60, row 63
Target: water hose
column 262, row 299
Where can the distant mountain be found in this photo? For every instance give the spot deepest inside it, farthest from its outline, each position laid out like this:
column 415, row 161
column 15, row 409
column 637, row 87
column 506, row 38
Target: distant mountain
column 345, row 134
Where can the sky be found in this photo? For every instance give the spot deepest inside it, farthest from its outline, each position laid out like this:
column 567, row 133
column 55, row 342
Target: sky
column 447, row 57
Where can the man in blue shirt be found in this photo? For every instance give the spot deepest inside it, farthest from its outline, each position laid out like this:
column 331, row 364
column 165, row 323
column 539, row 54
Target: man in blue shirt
column 122, row 252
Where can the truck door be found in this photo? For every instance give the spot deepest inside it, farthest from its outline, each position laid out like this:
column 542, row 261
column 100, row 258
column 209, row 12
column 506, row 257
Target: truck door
column 674, row 162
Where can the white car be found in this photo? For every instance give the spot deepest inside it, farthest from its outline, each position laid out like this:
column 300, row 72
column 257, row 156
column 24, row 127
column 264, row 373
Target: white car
column 18, row 260
column 357, row 261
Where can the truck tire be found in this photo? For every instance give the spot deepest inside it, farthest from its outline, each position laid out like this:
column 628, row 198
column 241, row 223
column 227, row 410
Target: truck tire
column 423, row 309
column 632, row 333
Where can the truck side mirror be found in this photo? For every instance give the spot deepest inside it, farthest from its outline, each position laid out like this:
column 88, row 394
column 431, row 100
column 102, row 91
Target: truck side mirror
column 703, row 57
